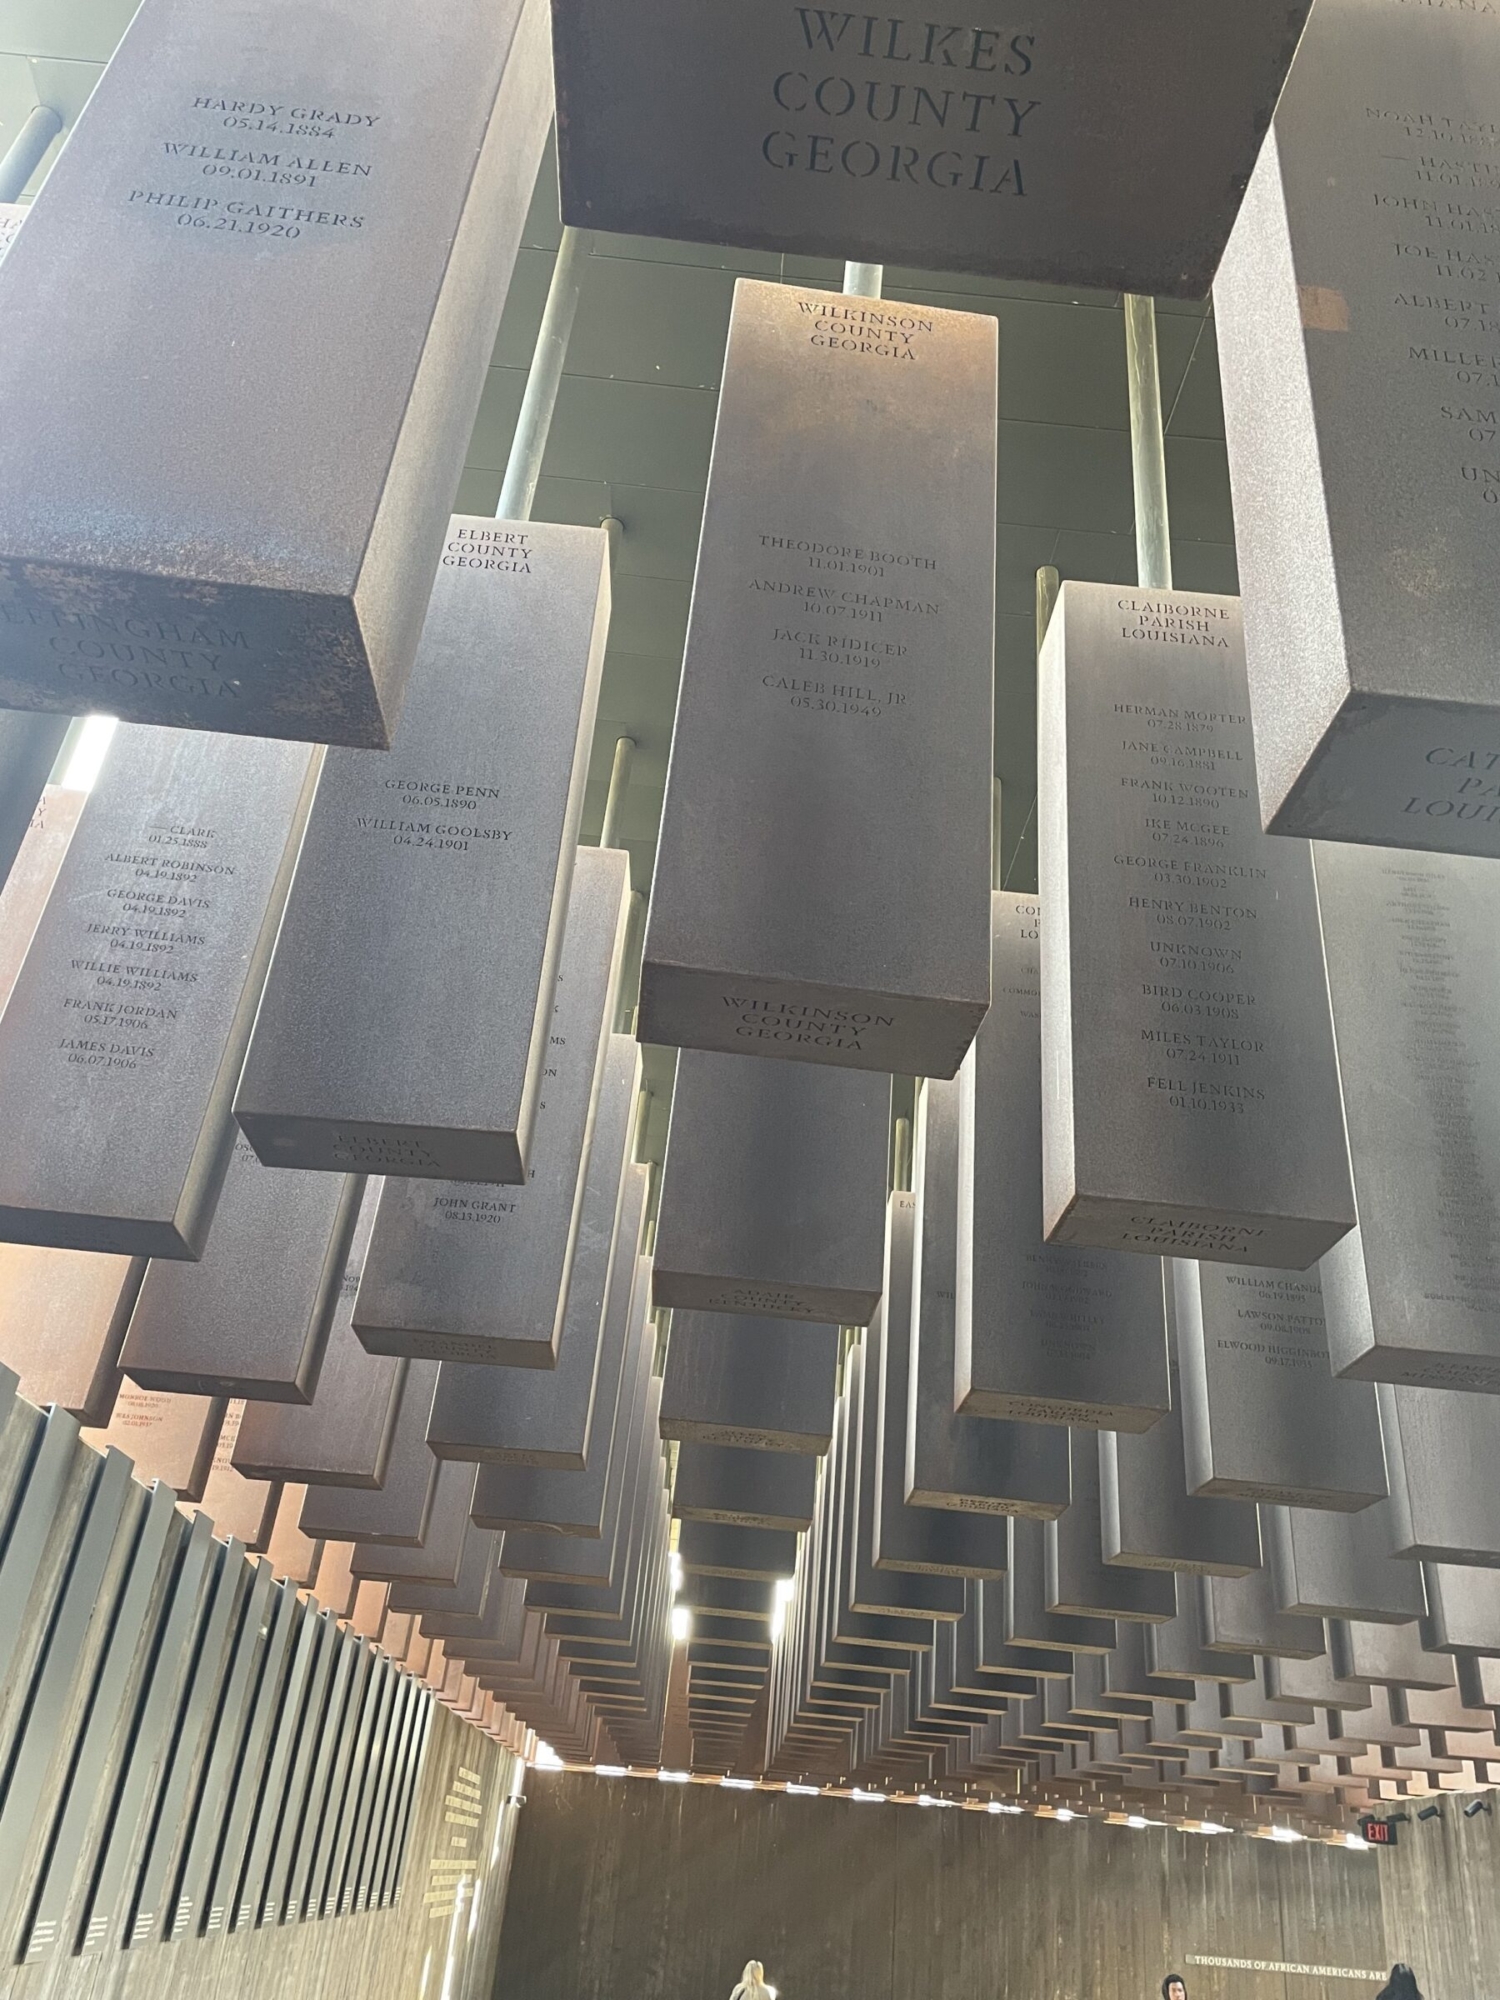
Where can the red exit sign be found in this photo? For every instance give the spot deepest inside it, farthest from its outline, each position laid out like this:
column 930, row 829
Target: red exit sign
column 1379, row 1832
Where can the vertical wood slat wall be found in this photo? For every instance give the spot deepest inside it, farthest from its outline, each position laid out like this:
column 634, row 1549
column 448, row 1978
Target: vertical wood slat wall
column 106, row 1596
column 666, row 1890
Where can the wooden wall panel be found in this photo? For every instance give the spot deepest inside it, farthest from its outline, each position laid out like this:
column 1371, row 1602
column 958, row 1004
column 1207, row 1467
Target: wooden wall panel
column 663, row 1891
column 1441, row 1892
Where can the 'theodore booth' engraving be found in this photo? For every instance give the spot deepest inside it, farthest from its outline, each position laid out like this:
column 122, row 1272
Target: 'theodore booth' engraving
column 1075, row 142
column 241, row 533
column 1358, row 310
column 1193, row 1108
column 824, row 860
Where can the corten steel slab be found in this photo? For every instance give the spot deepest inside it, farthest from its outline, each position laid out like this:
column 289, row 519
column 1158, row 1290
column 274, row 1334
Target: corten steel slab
column 139, row 1782
column 1340, row 1566
column 839, row 650
column 128, row 1020
column 456, row 852
column 1412, row 943
column 1463, row 1609
column 285, row 1720
column 161, row 555
column 292, row 1554
column 758, row 1555
column 252, row 1318
column 316, row 1718
column 99, row 1730
column 546, row 1416
column 1196, row 1106
column 437, row 1559
column 1175, row 1651
column 1263, row 1417
column 1074, row 146
column 765, row 1384
column 752, row 1489
column 1301, row 1681
column 523, row 1497
column 63, row 1315
column 1044, row 1333
column 396, row 1514
column 29, row 746
column 171, row 1438
column 53, row 819
column 573, row 1557
column 469, row 1591
column 1370, row 604
column 237, row 1806
column 952, row 1460
column 943, row 1481
column 1150, row 1518
column 1440, row 1446
column 921, row 1595
column 1239, row 1614
column 461, row 1272
column 205, row 1796
column 1391, row 1657
column 773, row 1190
column 1078, row 1582
column 244, row 1508
column 343, row 1437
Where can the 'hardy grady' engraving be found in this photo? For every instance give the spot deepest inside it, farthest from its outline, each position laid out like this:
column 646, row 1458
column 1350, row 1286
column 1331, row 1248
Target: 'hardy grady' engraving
column 1367, row 269
column 839, row 621
column 1186, row 1013
column 995, row 138
column 1413, row 951
column 163, row 554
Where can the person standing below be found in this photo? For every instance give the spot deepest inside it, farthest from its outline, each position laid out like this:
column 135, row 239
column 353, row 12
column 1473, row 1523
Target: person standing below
column 1402, row 1985
column 752, row 1984
column 1174, row 1987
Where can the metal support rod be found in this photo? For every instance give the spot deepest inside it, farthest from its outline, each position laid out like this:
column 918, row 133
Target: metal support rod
column 901, row 1174
column 1048, row 583
column 26, row 150
column 619, row 778
column 524, row 467
column 864, row 281
column 997, row 864
column 1148, row 453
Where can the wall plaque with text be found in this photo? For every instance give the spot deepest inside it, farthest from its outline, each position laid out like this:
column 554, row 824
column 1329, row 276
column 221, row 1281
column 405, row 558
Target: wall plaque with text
column 1357, row 310
column 318, row 265
column 1412, row 942
column 1076, row 142
column 1185, row 1013
column 817, row 899
column 426, row 915
column 1044, row 1333
column 129, row 1017
column 458, row 1271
